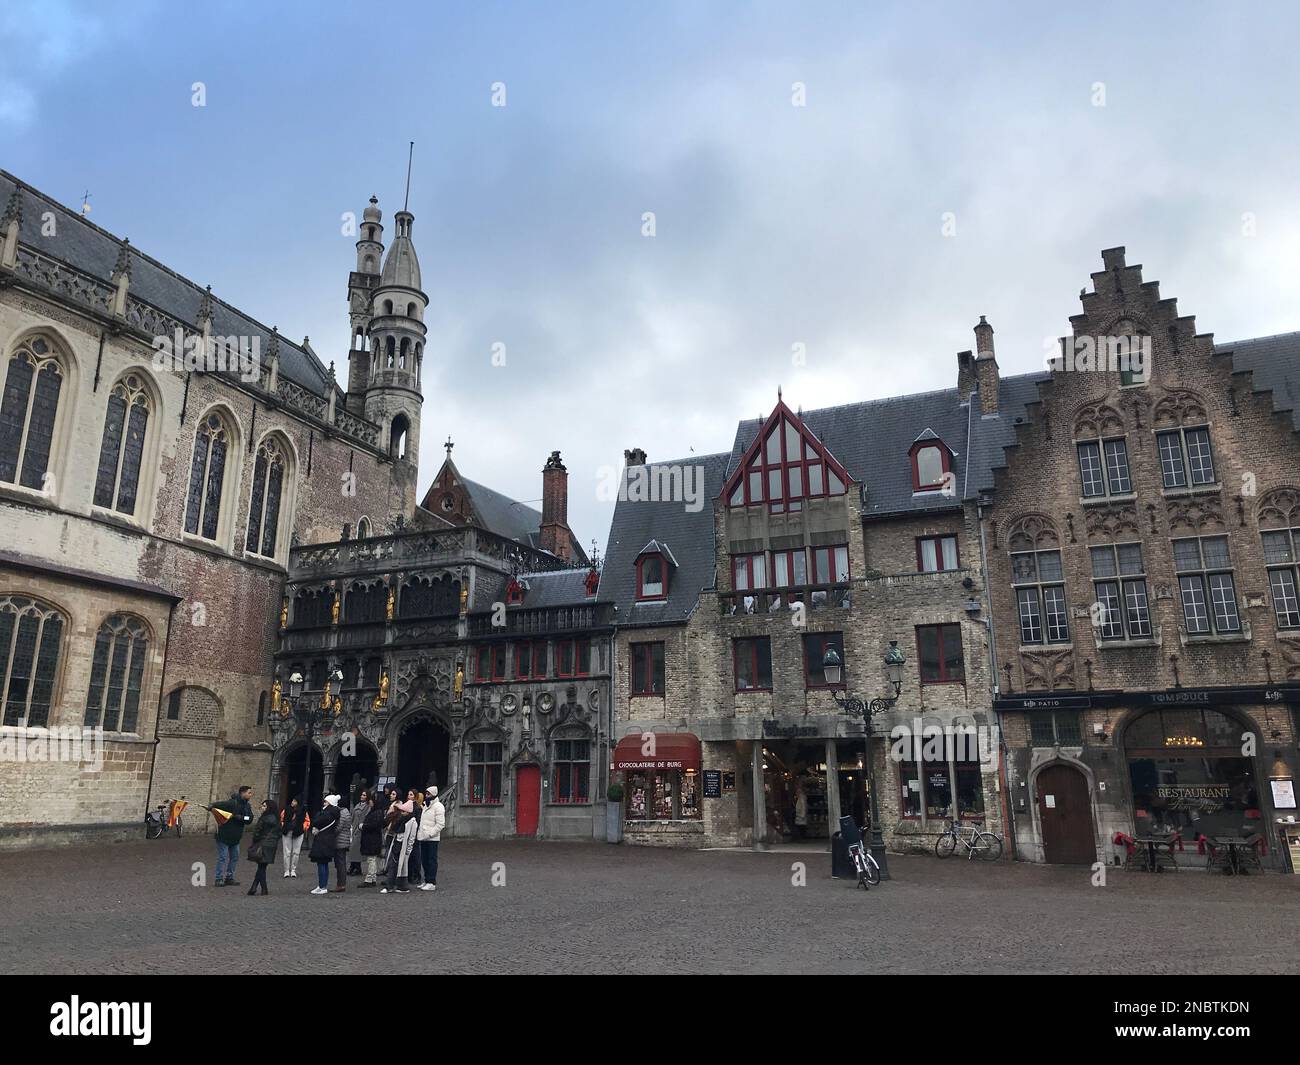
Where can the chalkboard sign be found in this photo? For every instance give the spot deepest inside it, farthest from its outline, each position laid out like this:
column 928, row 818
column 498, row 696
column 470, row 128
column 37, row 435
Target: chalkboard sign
column 728, row 781
column 713, row 783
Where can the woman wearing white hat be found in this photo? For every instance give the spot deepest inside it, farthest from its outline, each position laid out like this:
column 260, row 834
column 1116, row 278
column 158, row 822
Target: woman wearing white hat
column 323, row 831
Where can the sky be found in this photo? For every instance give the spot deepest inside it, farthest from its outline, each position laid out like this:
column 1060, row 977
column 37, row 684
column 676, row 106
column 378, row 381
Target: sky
column 838, row 190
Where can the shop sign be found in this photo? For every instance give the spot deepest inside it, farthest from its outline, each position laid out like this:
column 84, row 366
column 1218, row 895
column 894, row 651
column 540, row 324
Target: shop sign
column 713, row 783
column 773, row 727
column 1207, row 798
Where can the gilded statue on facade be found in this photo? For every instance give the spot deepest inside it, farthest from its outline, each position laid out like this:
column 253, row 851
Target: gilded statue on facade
column 392, row 600
column 464, row 599
column 284, row 614
column 382, row 697
column 460, row 680
column 275, row 694
column 334, row 611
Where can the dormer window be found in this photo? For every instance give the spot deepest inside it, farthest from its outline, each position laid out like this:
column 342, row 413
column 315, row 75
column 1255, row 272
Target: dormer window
column 592, row 583
column 931, row 464
column 651, row 577
column 515, row 592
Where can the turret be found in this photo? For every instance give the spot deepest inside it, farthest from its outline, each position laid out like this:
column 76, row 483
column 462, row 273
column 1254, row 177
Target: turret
column 361, row 285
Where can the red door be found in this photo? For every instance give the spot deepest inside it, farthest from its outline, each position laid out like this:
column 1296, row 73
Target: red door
column 528, row 799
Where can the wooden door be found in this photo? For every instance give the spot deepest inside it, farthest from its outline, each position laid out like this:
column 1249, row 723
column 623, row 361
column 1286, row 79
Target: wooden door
column 528, row 798
column 1065, row 812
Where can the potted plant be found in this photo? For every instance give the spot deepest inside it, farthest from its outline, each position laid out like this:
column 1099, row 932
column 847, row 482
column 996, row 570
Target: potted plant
column 614, row 814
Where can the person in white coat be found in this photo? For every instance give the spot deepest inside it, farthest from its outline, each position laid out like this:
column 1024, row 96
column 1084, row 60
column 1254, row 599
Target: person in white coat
column 401, row 842
column 428, row 835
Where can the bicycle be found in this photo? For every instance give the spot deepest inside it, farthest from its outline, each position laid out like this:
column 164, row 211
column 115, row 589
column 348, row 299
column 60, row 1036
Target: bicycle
column 864, row 863
column 978, row 843
column 166, row 815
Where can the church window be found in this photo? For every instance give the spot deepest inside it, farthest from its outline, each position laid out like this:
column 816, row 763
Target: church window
column 30, row 633
column 121, row 450
column 212, row 450
column 116, row 674
column 264, row 507
column 28, row 412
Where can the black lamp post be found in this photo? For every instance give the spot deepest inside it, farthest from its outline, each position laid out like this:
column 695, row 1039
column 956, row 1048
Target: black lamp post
column 833, row 666
column 309, row 714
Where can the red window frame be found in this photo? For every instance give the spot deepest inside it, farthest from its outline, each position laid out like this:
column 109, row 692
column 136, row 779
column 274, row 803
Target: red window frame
column 578, row 666
column 580, row 789
column 537, row 658
column 750, row 645
column 944, row 457
column 745, row 564
column 514, row 593
column 640, row 578
column 755, row 461
column 495, row 661
column 484, row 778
column 941, row 677
column 827, row 552
column 938, row 552
column 823, row 637
column 641, row 674
column 788, row 555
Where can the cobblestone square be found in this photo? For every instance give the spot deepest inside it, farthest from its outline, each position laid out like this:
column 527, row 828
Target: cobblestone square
column 588, row 908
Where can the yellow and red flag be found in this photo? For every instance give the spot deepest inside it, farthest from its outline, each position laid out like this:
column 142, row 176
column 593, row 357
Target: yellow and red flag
column 222, row 816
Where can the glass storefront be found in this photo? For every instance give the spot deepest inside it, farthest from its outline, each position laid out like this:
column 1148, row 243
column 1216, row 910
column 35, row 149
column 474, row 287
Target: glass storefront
column 663, row 795
column 1188, row 774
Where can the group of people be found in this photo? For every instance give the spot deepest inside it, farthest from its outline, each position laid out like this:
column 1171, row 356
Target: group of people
column 382, row 832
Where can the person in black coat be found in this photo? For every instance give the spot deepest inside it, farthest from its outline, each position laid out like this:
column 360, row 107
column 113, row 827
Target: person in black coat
column 324, row 829
column 372, row 842
column 294, row 823
column 266, row 841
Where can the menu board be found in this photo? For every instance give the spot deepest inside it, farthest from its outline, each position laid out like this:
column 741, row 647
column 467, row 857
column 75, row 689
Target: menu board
column 1283, row 794
column 713, row 783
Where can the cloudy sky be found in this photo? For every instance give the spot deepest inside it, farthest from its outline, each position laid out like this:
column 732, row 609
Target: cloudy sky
column 948, row 162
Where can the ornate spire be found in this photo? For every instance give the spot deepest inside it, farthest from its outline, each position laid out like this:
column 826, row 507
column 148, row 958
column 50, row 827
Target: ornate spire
column 122, row 268
column 205, row 306
column 13, row 210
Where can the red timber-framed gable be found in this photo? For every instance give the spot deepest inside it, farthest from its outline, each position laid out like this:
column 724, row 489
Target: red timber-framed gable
column 784, row 466
column 931, row 462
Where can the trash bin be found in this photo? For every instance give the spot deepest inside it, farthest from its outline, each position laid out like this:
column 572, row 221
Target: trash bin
column 841, row 864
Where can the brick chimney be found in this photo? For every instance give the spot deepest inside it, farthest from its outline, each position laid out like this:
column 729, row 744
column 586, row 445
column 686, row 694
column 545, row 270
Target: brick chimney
column 986, row 368
column 555, row 535
column 634, row 456
column 966, row 381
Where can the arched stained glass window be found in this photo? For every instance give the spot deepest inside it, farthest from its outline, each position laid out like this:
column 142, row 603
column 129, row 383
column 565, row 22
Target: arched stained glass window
column 264, row 506
column 28, row 410
column 207, row 478
column 116, row 674
column 30, row 634
column 122, row 448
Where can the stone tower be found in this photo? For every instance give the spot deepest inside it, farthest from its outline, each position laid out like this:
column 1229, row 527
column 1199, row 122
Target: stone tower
column 395, row 343
column 361, row 286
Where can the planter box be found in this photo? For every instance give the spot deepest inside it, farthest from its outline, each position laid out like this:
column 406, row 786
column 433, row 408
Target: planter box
column 613, row 822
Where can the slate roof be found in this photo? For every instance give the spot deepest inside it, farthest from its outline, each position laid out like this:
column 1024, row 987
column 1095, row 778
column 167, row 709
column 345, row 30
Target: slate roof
column 509, row 518
column 688, row 536
column 563, row 587
column 1275, row 365
column 79, row 243
column 872, row 439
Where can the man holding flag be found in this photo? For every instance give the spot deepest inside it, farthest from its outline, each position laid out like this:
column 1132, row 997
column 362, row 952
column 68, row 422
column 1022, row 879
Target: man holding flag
column 231, row 817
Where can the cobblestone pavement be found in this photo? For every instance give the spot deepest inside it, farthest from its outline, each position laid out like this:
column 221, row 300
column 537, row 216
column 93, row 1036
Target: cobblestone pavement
column 583, row 908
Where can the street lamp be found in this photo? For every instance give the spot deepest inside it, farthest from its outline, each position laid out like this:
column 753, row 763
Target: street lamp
column 308, row 714
column 833, row 668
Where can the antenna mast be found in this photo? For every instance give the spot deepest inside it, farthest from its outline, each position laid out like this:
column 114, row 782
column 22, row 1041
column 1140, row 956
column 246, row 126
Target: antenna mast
column 410, row 156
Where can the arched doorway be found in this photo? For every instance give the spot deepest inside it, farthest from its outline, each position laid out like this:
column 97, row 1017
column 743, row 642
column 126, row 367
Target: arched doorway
column 1065, row 814
column 294, row 776
column 355, row 771
column 423, row 755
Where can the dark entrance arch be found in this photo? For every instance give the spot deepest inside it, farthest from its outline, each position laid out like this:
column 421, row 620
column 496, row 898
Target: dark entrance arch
column 363, row 765
column 423, row 755
column 294, row 776
column 1065, row 812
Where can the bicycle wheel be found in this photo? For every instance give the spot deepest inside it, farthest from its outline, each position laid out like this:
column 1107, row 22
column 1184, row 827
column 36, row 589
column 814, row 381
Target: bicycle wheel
column 988, row 847
column 178, row 828
column 152, row 829
column 870, row 870
column 945, row 845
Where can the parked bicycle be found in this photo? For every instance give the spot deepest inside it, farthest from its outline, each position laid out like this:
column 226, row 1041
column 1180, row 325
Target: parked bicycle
column 864, row 863
column 166, row 815
column 979, row 843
